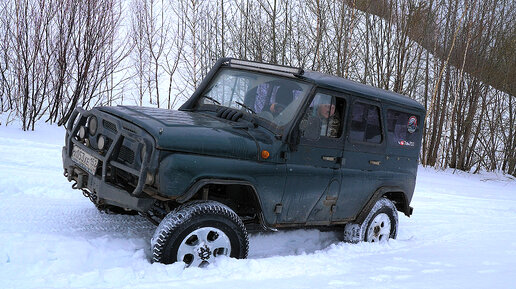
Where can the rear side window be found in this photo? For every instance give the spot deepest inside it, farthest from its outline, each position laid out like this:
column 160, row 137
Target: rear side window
column 365, row 123
column 402, row 128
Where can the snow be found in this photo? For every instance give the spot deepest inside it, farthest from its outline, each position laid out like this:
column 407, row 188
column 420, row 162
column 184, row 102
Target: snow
column 461, row 235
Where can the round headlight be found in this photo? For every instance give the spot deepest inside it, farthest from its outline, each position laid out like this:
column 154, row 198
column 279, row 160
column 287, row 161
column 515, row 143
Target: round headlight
column 92, row 125
column 82, row 132
column 101, row 142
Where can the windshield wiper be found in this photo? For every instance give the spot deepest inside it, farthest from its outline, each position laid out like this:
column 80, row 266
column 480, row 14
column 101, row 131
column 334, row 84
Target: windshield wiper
column 211, row 98
column 245, row 106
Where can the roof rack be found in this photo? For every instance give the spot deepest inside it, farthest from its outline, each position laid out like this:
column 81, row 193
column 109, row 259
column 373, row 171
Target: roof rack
column 265, row 67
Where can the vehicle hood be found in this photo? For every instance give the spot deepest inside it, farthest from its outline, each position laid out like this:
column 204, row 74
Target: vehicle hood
column 191, row 132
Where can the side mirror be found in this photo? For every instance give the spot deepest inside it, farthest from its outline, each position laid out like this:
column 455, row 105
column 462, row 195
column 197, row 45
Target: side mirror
column 310, row 128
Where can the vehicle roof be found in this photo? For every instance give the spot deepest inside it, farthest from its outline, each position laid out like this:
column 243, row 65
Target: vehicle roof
column 320, row 79
column 366, row 91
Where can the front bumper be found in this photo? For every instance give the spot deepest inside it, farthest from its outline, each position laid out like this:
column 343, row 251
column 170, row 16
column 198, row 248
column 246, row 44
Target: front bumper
column 124, row 166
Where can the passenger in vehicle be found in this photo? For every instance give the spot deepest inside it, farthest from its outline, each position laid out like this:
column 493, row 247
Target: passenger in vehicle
column 330, row 120
column 324, row 110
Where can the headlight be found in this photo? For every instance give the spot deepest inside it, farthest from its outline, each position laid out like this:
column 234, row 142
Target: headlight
column 101, row 142
column 92, row 125
column 82, row 132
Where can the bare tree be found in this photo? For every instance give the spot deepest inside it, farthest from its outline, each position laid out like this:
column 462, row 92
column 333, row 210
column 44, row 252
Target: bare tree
column 173, row 57
column 95, row 23
column 29, row 66
column 456, row 57
column 6, row 83
column 139, row 54
column 191, row 14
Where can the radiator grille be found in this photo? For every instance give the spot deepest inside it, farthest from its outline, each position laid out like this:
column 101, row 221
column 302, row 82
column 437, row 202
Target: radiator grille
column 126, row 155
column 109, row 126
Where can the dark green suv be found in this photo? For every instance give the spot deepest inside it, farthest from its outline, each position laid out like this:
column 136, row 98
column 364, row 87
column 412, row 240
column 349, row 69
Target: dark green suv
column 257, row 146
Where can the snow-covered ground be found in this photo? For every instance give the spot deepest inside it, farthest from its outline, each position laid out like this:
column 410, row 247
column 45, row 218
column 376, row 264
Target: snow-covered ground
column 462, row 235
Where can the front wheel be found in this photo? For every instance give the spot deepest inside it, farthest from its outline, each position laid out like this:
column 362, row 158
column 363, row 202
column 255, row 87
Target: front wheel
column 380, row 225
column 198, row 232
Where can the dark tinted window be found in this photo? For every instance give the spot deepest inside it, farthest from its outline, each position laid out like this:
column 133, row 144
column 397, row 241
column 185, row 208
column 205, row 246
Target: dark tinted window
column 365, row 123
column 402, row 128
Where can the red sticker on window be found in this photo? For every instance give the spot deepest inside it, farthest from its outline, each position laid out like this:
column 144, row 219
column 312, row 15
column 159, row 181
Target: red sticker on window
column 412, row 124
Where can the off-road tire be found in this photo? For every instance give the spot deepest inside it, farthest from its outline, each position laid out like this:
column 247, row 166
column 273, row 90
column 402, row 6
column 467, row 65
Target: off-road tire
column 382, row 209
column 197, row 215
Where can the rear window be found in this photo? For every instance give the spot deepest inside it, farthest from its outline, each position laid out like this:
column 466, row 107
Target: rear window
column 365, row 123
column 402, row 129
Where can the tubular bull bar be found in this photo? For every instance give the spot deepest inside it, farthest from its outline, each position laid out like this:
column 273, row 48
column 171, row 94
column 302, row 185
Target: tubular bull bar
column 100, row 185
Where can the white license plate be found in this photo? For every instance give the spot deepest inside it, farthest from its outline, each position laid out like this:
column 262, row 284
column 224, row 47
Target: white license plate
column 85, row 160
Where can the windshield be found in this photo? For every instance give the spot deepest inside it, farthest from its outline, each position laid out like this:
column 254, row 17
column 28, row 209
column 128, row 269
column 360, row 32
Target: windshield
column 274, row 98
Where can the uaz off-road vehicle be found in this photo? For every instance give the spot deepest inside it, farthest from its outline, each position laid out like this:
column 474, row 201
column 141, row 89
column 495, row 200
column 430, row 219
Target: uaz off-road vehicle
column 256, row 146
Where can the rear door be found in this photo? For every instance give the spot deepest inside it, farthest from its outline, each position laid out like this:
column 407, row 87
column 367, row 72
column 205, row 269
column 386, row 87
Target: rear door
column 363, row 158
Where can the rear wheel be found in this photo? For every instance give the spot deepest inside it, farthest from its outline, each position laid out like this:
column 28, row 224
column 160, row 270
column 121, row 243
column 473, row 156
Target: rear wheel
column 197, row 233
column 380, row 225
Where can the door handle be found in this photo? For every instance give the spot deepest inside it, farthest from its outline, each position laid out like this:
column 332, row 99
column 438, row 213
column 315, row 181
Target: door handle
column 376, row 163
column 329, row 158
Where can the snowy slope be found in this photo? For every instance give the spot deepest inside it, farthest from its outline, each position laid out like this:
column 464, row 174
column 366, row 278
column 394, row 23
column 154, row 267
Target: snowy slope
column 460, row 236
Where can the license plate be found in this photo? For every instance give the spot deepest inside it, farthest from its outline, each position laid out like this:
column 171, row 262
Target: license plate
column 85, row 160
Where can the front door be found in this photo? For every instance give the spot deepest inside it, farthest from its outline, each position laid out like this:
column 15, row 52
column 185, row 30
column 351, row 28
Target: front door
column 313, row 169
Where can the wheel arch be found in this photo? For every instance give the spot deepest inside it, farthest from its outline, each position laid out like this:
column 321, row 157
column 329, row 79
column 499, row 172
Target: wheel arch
column 203, row 190
column 394, row 194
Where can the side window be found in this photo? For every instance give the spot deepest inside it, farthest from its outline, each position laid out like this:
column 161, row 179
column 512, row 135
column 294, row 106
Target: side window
column 365, row 123
column 402, row 128
column 323, row 117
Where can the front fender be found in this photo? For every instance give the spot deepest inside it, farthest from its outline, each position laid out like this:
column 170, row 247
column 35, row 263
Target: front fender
column 178, row 173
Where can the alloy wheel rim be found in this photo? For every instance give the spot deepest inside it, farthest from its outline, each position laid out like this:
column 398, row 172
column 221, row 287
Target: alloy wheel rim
column 202, row 246
column 380, row 229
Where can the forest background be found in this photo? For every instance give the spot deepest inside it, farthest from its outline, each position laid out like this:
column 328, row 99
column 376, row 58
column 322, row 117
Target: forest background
column 456, row 57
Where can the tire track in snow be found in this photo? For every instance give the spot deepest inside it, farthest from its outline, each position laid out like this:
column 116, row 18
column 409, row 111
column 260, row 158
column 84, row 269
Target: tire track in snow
column 66, row 217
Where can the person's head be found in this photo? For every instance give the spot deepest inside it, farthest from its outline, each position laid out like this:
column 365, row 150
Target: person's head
column 325, row 110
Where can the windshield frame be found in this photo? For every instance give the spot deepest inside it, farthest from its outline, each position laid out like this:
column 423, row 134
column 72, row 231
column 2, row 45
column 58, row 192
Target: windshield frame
column 197, row 103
